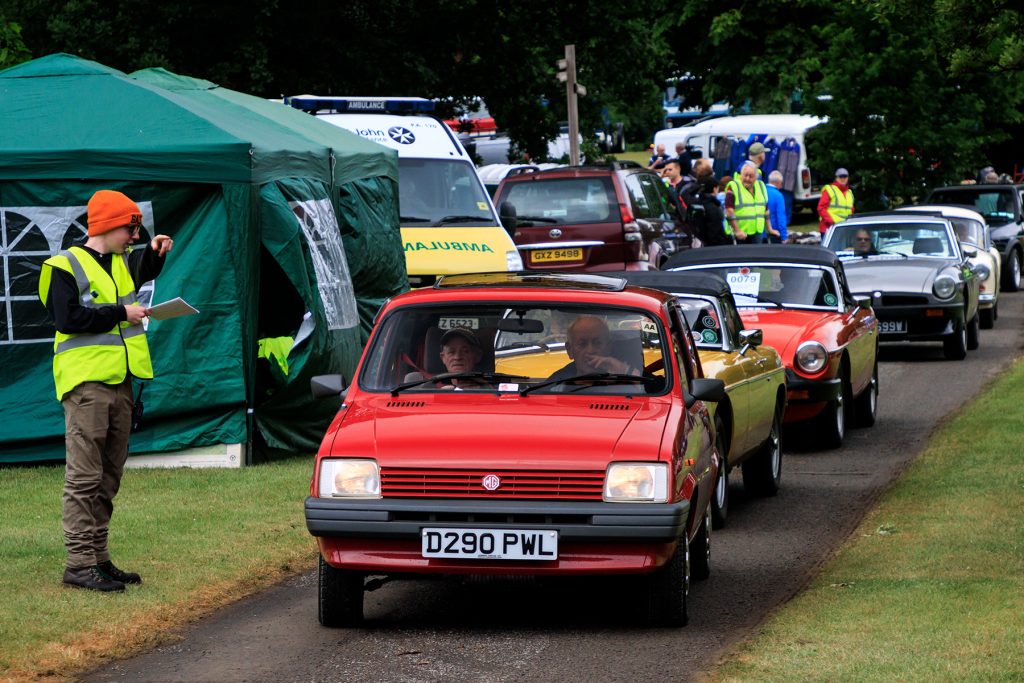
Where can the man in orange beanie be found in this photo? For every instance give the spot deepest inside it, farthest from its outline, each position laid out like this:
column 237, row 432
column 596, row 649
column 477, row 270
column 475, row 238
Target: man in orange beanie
column 100, row 345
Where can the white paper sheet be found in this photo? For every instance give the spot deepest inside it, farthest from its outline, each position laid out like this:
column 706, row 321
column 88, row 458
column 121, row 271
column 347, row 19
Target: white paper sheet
column 174, row 308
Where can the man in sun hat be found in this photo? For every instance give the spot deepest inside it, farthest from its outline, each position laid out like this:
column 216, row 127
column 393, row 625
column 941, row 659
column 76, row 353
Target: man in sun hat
column 90, row 294
column 836, row 203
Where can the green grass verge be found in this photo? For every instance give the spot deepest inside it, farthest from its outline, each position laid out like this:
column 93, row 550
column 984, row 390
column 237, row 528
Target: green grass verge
column 931, row 586
column 200, row 539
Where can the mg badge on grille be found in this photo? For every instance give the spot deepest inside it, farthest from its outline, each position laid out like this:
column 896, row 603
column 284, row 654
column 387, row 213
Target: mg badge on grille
column 555, row 233
column 491, row 482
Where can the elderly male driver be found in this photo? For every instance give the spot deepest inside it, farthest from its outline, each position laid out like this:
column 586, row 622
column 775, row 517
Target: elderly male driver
column 589, row 346
column 461, row 352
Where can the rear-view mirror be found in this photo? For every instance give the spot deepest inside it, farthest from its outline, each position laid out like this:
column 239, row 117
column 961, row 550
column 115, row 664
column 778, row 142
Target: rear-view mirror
column 520, row 325
column 750, row 339
column 325, row 386
column 711, row 390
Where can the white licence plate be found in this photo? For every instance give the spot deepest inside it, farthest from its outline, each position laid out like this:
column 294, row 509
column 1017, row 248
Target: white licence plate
column 490, row 544
column 892, row 326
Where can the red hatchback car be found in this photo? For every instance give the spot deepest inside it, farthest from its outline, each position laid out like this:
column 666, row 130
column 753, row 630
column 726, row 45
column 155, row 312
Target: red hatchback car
column 519, row 424
column 799, row 297
column 591, row 218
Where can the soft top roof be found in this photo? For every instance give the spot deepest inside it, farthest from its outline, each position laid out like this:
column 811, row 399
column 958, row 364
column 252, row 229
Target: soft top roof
column 754, row 253
column 705, row 284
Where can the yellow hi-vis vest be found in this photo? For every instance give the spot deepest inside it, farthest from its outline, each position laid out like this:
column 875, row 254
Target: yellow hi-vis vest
column 276, row 350
column 840, row 204
column 107, row 357
column 749, row 207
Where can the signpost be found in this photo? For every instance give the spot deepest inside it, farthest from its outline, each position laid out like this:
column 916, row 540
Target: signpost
column 567, row 75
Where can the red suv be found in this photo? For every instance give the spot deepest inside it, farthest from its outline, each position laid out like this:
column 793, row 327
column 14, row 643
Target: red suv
column 591, row 218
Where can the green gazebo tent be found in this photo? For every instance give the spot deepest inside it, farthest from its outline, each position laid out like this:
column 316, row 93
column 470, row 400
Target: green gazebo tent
column 283, row 226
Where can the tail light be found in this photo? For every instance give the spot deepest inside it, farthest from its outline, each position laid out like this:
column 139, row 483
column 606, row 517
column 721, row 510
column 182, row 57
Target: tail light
column 630, row 230
column 805, row 178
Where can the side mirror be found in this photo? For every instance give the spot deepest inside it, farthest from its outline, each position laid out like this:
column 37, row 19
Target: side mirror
column 325, row 386
column 750, row 339
column 507, row 214
column 969, row 251
column 864, row 302
column 710, row 390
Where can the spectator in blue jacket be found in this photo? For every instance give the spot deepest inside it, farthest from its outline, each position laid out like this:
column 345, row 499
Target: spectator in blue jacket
column 776, row 209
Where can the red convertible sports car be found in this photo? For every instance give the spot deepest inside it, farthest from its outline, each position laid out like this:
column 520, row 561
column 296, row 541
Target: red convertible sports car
column 799, row 297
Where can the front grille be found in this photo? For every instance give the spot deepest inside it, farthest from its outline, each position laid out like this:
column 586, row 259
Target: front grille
column 398, row 482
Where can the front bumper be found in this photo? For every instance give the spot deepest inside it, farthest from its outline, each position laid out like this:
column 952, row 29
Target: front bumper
column 924, row 322
column 800, row 390
column 404, row 518
column 594, row 538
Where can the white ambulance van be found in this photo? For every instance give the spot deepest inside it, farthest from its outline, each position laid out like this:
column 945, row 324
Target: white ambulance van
column 704, row 135
column 448, row 221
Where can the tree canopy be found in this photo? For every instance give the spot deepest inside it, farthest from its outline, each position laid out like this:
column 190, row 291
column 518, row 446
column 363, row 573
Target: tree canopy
column 916, row 91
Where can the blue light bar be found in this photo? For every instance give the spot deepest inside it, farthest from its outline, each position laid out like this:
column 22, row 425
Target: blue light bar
column 369, row 105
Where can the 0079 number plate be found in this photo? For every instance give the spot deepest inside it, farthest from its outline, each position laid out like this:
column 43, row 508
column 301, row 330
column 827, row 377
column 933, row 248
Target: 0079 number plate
column 549, row 255
column 892, row 326
column 490, row 544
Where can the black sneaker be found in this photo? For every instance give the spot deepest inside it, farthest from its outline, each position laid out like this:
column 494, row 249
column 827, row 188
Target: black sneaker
column 92, row 579
column 114, row 574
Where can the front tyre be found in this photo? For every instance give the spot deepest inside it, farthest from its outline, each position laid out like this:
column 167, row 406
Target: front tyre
column 762, row 474
column 700, row 549
column 668, row 589
column 832, row 421
column 954, row 347
column 973, row 333
column 720, row 497
column 866, row 404
column 1011, row 274
column 339, row 596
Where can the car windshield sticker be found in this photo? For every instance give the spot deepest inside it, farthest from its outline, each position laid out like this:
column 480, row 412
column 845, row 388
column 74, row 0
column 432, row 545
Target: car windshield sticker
column 553, row 213
column 508, row 386
column 482, row 206
column 452, row 323
column 649, row 327
column 744, row 282
column 830, row 299
column 709, row 336
column 708, row 321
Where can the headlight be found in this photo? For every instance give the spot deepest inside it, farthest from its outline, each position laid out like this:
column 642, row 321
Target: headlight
column 513, row 261
column 811, row 357
column 636, row 483
column 349, row 478
column 944, row 286
column 982, row 271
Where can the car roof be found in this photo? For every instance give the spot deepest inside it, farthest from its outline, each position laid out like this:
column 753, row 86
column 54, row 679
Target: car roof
column 775, row 253
column 530, row 279
column 705, row 284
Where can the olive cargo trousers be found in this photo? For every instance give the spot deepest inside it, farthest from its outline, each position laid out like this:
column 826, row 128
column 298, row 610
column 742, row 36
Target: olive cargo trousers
column 97, row 424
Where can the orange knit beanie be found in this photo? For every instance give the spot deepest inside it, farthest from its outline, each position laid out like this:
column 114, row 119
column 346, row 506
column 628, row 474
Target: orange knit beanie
column 109, row 209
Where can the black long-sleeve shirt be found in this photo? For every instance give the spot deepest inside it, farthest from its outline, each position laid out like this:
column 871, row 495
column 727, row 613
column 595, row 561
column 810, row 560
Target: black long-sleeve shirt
column 64, row 306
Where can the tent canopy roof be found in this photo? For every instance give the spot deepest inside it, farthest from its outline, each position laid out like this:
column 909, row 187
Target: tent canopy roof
column 67, row 117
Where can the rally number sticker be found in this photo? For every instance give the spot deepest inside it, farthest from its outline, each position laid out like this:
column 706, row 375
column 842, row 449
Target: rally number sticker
column 744, row 283
column 452, row 323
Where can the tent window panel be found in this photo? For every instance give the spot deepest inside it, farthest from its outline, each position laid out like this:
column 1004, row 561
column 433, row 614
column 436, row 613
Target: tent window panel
column 334, row 282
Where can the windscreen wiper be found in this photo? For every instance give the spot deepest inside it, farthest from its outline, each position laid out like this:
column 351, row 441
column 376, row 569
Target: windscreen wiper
column 413, row 219
column 488, row 376
column 615, row 378
column 461, row 219
column 541, row 219
column 759, row 300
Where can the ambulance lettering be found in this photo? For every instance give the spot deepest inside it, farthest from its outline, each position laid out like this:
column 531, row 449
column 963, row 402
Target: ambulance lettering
column 449, row 246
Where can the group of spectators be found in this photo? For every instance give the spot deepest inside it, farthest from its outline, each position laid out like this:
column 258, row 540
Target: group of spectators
column 986, row 176
column 742, row 208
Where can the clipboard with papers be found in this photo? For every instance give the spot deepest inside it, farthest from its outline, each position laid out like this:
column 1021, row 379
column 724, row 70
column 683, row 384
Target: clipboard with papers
column 175, row 308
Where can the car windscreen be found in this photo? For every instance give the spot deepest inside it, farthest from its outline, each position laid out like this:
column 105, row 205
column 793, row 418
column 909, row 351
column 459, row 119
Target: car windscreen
column 897, row 238
column 776, row 285
column 969, row 231
column 704, row 320
column 438, row 192
column 563, row 201
column 515, row 347
column 994, row 205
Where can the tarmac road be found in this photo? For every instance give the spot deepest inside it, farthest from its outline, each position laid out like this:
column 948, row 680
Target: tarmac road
column 585, row 630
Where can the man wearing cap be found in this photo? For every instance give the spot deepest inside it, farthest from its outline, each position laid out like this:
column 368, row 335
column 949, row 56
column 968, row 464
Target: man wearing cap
column 746, row 207
column 755, row 154
column 90, row 294
column 836, row 203
column 461, row 352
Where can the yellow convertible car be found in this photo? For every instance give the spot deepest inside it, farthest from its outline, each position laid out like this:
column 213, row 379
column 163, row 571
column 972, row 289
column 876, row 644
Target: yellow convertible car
column 748, row 422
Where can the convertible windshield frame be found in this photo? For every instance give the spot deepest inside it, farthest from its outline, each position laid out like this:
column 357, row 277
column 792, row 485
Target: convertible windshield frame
column 876, row 227
column 743, row 301
column 383, row 348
